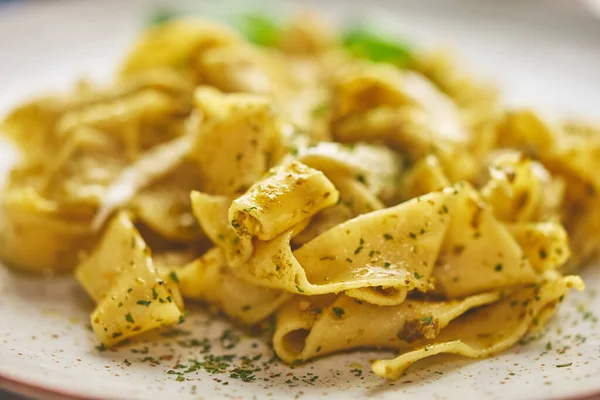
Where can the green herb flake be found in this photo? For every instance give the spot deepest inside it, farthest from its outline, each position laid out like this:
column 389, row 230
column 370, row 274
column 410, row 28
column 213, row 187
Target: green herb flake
column 564, row 365
column 417, row 275
column 174, row 277
column 246, row 375
column 129, row 318
column 498, row 268
column 338, row 312
column 144, row 303
column 299, row 289
column 428, row 320
column 387, row 236
column 320, row 110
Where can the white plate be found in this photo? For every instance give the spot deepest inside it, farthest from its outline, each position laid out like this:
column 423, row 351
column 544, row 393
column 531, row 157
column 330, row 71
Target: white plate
column 548, row 57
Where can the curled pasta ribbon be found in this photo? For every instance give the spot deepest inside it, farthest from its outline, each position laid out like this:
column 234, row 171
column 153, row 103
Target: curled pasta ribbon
column 311, row 327
column 487, row 330
column 405, row 110
column 545, row 244
column 291, row 195
column 288, row 197
column 394, row 247
column 50, row 245
column 120, row 276
column 209, row 279
column 176, row 45
column 520, row 189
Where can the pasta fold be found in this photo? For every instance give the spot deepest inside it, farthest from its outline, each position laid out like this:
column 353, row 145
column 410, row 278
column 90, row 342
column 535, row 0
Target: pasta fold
column 311, row 327
column 487, row 330
column 209, row 279
column 119, row 275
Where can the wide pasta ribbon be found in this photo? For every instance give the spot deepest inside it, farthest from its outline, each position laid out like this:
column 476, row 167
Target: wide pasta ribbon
column 394, row 247
column 311, row 327
column 210, row 279
column 489, row 329
column 120, row 276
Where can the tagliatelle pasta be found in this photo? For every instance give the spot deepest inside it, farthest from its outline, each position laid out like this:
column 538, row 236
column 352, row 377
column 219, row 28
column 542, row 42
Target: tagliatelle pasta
column 355, row 192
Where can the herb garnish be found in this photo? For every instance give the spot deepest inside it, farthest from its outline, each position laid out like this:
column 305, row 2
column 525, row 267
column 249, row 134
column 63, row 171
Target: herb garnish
column 339, row 312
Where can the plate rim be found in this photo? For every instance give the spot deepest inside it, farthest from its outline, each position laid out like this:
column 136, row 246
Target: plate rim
column 46, row 392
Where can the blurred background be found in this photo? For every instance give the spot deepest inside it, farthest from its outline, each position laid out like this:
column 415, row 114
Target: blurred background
column 44, row 44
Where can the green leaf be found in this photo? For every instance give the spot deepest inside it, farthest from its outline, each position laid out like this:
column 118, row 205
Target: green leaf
column 159, row 17
column 259, row 29
column 363, row 43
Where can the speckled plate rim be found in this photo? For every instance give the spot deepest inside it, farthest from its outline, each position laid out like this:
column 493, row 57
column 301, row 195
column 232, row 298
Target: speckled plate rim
column 28, row 389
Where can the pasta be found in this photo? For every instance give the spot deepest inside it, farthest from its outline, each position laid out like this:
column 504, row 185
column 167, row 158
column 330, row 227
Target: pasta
column 358, row 192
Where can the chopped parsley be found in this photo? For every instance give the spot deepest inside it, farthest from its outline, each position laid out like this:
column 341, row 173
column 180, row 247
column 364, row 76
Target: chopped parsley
column 498, row 268
column 428, row 320
column 338, row 312
column 299, row 289
column 564, row 365
column 144, row 303
column 387, row 236
column 174, row 277
column 320, row 110
column 129, row 318
column 246, row 375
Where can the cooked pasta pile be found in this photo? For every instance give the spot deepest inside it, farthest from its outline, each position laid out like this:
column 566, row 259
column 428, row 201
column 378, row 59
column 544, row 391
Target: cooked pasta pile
column 364, row 194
